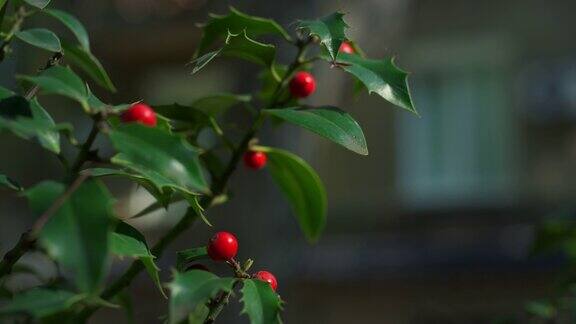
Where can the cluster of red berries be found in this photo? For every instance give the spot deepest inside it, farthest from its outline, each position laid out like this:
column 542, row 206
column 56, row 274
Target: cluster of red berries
column 223, row 246
column 301, row 85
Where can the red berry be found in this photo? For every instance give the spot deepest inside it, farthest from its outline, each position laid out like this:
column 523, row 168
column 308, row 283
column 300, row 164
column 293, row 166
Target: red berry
column 141, row 113
column 255, row 160
column 302, row 85
column 267, row 277
column 223, row 246
column 347, row 48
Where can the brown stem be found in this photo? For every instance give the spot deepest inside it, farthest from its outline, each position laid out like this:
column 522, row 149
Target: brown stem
column 25, row 243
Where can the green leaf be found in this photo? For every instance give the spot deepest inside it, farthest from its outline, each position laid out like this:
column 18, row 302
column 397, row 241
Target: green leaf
column 61, row 81
column 186, row 256
column 73, row 24
column 40, row 302
column 261, row 303
column 28, row 119
column 42, row 38
column 195, row 118
column 380, row 76
column 82, row 58
column 165, row 159
column 78, row 233
column 162, row 196
column 218, row 27
column 216, row 104
column 128, row 241
column 9, row 183
column 329, row 29
column 241, row 46
column 301, row 186
column 3, row 7
column 543, row 310
column 5, row 93
column 190, row 291
column 329, row 122
column 40, row 4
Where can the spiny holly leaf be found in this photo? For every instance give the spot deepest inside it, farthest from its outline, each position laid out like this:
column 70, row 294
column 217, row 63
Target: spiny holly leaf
column 186, row 256
column 380, row 76
column 73, row 24
column 82, row 58
column 78, row 233
column 214, row 105
column 235, row 22
column 190, row 291
column 40, row 4
column 42, row 38
column 261, row 303
column 9, row 183
column 330, row 30
column 165, row 159
column 40, row 302
column 61, row 81
column 28, row 119
column 329, row 122
column 240, row 46
column 128, row 241
column 302, row 187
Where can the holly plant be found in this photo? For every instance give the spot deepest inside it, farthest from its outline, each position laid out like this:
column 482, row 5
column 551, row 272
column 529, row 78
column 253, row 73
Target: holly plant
column 157, row 146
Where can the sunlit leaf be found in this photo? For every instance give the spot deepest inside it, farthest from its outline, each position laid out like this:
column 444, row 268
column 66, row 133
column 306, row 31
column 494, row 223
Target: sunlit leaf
column 382, row 77
column 329, row 122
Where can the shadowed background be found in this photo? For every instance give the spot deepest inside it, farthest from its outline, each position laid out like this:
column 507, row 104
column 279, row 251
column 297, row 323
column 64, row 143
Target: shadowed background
column 434, row 226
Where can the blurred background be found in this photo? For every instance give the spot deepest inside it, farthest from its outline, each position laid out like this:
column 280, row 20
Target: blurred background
column 436, row 225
